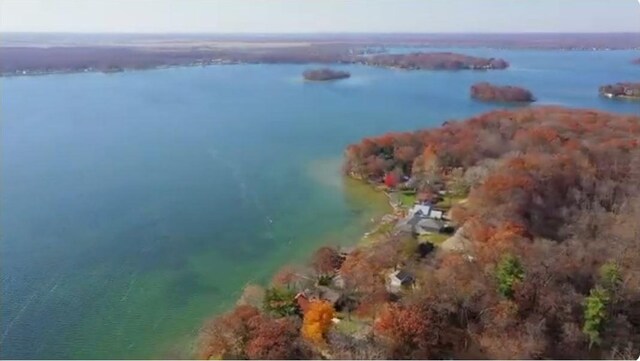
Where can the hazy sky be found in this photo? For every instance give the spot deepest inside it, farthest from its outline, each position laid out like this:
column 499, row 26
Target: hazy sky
column 282, row 16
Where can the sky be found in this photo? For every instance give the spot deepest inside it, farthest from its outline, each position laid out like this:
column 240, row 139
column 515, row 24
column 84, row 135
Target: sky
column 319, row 16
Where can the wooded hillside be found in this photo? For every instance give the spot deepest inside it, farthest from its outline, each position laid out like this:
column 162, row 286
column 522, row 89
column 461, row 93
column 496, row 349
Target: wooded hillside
column 551, row 268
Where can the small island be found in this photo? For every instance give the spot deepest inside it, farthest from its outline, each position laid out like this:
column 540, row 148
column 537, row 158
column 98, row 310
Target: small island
column 621, row 90
column 434, row 61
column 325, row 74
column 494, row 93
column 636, row 61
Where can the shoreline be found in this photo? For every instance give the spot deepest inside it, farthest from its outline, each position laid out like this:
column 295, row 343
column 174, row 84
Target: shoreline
column 109, row 59
column 620, row 97
column 120, row 71
column 362, row 192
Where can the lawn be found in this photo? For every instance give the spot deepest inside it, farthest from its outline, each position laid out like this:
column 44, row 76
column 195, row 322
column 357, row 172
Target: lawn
column 348, row 327
column 435, row 238
column 381, row 230
column 351, row 327
column 449, row 201
column 407, row 199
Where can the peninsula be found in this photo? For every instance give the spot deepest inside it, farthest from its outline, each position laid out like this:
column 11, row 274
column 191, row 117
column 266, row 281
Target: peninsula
column 621, row 90
column 525, row 240
column 494, row 93
column 325, row 74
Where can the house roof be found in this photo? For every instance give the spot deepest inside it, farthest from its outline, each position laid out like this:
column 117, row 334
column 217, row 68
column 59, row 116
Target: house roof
column 421, row 209
column 429, row 223
column 414, row 220
column 403, row 276
column 328, row 294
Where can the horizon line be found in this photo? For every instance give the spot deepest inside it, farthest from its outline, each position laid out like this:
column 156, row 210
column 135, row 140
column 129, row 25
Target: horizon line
column 324, row 33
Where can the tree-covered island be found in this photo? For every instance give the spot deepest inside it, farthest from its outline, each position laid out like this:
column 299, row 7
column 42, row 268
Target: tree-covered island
column 325, row 74
column 495, row 93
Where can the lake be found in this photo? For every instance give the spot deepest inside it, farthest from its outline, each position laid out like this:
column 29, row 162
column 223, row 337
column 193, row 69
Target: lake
column 136, row 205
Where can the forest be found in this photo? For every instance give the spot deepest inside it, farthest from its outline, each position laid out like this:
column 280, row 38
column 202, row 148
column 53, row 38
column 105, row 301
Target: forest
column 493, row 93
column 434, row 61
column 550, row 213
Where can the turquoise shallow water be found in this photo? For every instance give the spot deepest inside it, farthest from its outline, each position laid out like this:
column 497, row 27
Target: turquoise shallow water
column 134, row 205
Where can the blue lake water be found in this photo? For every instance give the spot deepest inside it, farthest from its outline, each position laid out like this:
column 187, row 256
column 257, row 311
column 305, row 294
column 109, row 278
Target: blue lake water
column 135, row 205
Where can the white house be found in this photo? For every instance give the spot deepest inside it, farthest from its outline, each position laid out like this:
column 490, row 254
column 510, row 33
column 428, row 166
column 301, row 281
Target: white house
column 436, row 213
column 426, row 211
column 420, row 210
column 399, row 279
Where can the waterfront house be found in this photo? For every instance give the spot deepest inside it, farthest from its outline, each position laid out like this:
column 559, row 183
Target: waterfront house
column 420, row 210
column 421, row 225
column 426, row 210
column 399, row 279
column 436, row 214
column 324, row 293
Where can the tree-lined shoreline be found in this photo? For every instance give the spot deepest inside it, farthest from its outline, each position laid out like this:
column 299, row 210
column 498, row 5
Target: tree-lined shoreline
column 547, row 239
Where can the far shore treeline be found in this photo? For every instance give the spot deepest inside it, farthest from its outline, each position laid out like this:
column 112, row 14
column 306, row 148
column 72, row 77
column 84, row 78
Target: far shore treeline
column 26, row 55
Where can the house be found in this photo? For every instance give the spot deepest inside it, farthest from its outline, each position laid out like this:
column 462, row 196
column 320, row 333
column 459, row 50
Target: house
column 436, row 214
column 426, row 210
column 419, row 224
column 420, row 210
column 425, row 225
column 429, row 225
column 398, row 280
column 334, row 297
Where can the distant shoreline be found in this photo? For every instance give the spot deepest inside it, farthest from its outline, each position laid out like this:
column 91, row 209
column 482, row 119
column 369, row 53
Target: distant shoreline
column 39, row 54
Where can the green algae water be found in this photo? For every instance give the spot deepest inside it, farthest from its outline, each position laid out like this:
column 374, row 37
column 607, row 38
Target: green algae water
column 136, row 205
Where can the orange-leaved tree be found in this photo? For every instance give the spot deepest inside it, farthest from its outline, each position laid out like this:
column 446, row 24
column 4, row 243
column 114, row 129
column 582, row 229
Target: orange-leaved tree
column 317, row 320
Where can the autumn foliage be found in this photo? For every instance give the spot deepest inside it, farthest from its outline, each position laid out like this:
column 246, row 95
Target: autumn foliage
column 326, row 260
column 435, row 61
column 553, row 195
column 551, row 268
column 246, row 333
column 317, row 321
